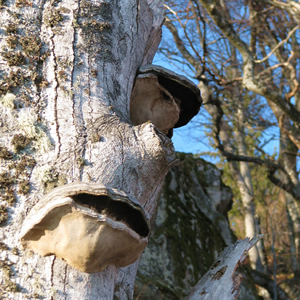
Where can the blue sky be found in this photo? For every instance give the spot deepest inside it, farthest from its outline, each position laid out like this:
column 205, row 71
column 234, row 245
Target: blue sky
column 191, row 138
column 182, row 139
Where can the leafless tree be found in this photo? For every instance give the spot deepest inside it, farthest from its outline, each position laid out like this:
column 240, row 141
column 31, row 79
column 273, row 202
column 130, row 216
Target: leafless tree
column 244, row 55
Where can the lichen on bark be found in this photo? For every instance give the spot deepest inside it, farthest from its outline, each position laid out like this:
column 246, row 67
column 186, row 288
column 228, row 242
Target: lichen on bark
column 74, row 83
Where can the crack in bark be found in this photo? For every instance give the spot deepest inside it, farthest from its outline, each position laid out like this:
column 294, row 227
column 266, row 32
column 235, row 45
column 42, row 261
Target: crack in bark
column 52, row 274
column 79, row 144
column 39, row 67
column 137, row 16
column 56, row 95
column 122, row 156
column 82, row 128
column 72, row 70
column 64, row 281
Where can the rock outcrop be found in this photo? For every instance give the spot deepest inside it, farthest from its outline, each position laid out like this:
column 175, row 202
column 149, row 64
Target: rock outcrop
column 191, row 229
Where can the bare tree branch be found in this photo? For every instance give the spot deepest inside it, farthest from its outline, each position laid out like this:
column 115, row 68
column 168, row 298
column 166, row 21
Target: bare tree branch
column 271, row 166
column 213, row 8
column 292, row 7
column 267, row 283
column 180, row 45
column 185, row 33
column 258, row 61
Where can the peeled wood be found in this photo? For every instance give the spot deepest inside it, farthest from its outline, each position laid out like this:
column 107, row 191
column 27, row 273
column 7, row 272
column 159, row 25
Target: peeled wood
column 221, row 281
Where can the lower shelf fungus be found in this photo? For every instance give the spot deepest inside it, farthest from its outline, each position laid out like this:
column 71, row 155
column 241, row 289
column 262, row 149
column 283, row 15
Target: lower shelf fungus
column 90, row 226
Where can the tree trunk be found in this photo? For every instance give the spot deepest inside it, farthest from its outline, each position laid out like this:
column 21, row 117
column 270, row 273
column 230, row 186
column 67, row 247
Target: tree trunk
column 241, row 172
column 67, row 73
column 247, row 194
column 288, row 154
column 294, row 233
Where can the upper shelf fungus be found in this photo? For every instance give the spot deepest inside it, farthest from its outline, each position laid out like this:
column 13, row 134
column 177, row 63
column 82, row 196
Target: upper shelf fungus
column 89, row 226
column 166, row 99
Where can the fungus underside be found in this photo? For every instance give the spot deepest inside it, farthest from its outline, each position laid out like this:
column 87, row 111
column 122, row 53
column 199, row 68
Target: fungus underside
column 116, row 210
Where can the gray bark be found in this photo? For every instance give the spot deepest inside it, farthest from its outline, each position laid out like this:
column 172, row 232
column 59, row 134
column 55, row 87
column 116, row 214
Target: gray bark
column 77, row 126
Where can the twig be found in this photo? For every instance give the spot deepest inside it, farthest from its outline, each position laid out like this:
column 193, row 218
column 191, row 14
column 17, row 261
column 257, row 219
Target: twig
column 140, row 293
column 185, row 33
column 278, row 45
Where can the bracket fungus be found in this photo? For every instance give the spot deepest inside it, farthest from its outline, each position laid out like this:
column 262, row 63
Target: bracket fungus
column 88, row 225
column 166, row 99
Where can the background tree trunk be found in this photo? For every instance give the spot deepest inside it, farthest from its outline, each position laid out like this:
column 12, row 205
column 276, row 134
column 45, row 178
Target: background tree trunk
column 67, row 70
column 247, row 192
column 294, row 226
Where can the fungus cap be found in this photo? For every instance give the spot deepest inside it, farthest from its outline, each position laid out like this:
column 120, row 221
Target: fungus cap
column 184, row 91
column 88, row 225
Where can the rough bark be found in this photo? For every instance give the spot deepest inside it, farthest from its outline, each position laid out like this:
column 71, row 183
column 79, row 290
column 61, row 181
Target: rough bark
column 67, row 73
column 65, row 118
